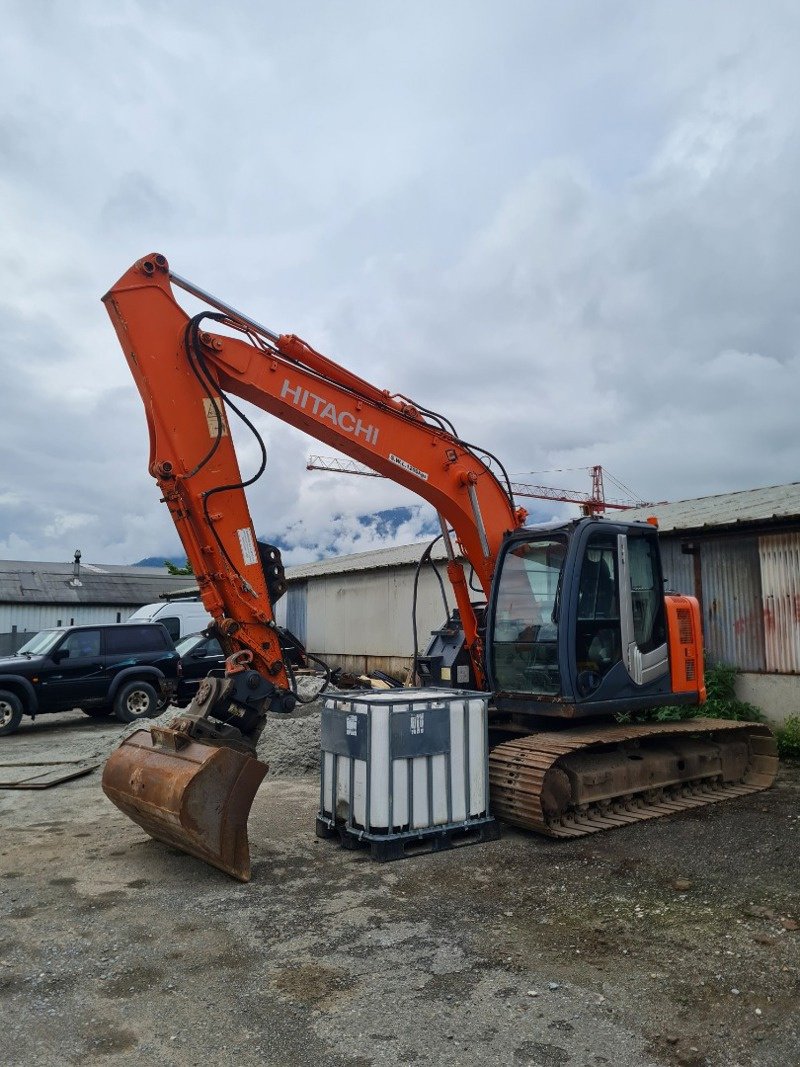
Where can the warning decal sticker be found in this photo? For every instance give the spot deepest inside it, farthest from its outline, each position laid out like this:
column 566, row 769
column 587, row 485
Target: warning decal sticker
column 246, row 540
column 212, row 420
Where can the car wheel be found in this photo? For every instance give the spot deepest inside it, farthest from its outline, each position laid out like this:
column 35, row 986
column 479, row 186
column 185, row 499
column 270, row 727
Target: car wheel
column 135, row 700
column 10, row 712
column 98, row 713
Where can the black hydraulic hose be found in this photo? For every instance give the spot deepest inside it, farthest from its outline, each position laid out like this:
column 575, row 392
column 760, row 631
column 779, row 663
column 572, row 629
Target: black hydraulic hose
column 200, row 369
column 443, row 422
column 424, row 558
column 293, row 679
column 471, row 579
column 477, row 451
column 441, row 586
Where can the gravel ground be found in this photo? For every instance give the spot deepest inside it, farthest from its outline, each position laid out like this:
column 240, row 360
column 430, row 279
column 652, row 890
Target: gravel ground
column 668, row 942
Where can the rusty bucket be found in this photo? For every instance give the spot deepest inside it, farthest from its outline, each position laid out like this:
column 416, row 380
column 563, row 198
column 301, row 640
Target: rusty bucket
column 191, row 795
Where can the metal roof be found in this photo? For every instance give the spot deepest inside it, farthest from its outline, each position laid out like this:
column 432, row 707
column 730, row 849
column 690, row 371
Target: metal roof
column 22, row 581
column 748, row 506
column 399, row 556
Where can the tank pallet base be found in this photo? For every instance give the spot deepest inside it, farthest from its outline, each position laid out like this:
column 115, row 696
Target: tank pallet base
column 386, row 847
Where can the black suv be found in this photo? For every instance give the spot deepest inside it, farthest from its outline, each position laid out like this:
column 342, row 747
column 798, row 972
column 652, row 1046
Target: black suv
column 129, row 670
column 200, row 655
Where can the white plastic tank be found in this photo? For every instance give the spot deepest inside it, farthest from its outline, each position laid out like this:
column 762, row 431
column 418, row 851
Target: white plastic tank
column 404, row 760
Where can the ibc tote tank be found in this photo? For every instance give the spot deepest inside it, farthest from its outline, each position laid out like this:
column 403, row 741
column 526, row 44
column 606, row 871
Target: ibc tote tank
column 405, row 766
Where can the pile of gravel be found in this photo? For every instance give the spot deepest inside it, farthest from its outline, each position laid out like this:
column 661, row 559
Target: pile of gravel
column 290, row 744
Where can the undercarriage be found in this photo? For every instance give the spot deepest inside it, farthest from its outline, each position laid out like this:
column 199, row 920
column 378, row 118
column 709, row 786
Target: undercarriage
column 579, row 781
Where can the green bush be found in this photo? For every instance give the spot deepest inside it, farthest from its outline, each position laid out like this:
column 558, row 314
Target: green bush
column 788, row 738
column 721, row 703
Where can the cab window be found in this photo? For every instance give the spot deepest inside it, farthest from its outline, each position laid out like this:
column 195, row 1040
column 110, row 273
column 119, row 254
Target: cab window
column 598, row 639
column 647, row 597
column 525, row 647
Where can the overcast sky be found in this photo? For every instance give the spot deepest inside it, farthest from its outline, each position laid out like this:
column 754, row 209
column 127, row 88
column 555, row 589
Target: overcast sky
column 571, row 227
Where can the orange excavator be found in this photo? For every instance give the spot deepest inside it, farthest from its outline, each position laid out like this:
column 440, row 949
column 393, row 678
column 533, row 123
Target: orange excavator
column 573, row 626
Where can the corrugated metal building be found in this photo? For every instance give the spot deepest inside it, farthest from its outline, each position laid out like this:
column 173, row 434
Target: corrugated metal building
column 355, row 611
column 35, row 596
column 739, row 554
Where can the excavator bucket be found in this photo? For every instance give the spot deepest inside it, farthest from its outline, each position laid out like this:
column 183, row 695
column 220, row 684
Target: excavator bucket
column 191, row 795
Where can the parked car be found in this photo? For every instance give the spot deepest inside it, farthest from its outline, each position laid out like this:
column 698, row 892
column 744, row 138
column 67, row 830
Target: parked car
column 179, row 617
column 200, row 655
column 124, row 670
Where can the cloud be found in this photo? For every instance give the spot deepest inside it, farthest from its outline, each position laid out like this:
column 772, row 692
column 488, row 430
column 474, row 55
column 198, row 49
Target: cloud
column 573, row 232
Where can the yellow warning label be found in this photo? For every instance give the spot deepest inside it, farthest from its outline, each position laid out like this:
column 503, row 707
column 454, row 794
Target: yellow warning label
column 215, row 417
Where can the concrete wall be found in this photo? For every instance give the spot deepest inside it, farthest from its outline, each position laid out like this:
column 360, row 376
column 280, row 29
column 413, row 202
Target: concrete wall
column 777, row 695
column 361, row 620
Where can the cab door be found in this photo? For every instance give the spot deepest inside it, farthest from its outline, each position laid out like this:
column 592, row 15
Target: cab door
column 620, row 647
column 78, row 674
column 642, row 617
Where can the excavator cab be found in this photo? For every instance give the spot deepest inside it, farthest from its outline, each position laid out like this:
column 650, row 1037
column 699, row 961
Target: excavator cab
column 579, row 629
column 577, row 623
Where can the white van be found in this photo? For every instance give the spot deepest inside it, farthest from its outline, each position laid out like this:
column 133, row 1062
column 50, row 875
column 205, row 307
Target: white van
column 180, row 617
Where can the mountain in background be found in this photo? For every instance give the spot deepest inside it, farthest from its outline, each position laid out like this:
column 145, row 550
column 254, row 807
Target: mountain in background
column 344, row 535
column 158, row 561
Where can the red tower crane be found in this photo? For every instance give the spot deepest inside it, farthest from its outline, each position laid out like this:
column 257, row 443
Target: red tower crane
column 591, row 503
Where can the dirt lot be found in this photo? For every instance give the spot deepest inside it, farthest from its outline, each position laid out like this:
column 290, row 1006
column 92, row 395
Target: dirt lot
column 116, row 949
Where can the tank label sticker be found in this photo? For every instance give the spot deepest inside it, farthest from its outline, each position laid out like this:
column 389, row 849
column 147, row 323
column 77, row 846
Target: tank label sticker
column 408, row 466
column 344, row 733
column 248, row 546
column 420, row 733
column 217, row 423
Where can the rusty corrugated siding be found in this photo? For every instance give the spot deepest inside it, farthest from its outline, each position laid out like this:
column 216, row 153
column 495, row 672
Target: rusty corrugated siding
column 780, row 579
column 678, row 567
column 733, row 614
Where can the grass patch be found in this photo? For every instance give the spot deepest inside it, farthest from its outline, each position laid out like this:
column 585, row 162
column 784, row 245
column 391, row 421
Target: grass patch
column 788, row 738
column 721, row 703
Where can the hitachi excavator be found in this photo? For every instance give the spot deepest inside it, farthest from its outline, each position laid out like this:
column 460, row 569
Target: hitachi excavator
column 573, row 627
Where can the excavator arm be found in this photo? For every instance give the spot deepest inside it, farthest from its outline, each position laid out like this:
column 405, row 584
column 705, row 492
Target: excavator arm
column 191, row 783
column 186, row 375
